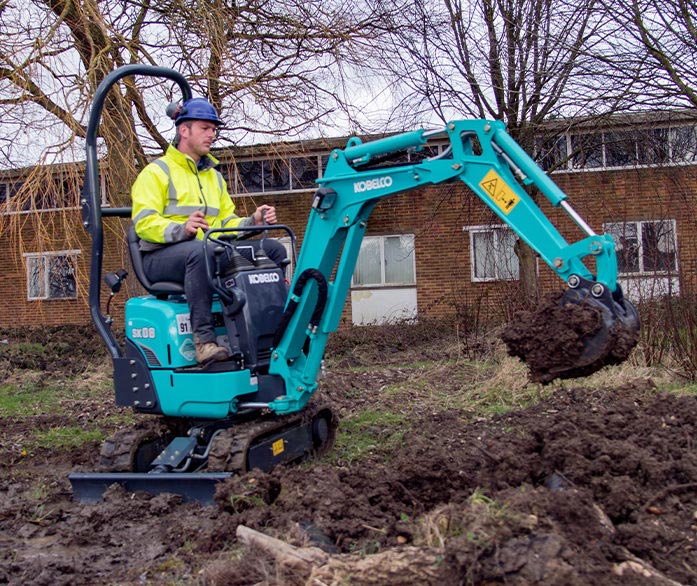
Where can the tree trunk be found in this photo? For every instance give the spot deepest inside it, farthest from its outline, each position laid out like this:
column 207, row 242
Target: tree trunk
column 529, row 285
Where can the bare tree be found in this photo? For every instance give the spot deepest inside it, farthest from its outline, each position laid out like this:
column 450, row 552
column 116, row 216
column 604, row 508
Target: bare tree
column 520, row 61
column 656, row 44
column 271, row 67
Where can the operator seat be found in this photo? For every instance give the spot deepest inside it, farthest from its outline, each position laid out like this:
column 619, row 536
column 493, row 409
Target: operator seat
column 160, row 289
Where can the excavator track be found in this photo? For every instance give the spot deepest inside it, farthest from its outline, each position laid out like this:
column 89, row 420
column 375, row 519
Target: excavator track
column 132, row 450
column 265, row 444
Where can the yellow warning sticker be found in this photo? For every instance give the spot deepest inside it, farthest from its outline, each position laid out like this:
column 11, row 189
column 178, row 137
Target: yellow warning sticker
column 498, row 190
column 277, row 447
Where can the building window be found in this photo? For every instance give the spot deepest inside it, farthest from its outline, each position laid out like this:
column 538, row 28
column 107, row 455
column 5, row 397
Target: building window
column 254, row 176
column 9, row 190
column 618, row 148
column 273, row 175
column 653, row 146
column 493, row 256
column 645, row 247
column 551, row 152
column 683, row 144
column 586, row 151
column 51, row 275
column 303, row 172
column 386, row 261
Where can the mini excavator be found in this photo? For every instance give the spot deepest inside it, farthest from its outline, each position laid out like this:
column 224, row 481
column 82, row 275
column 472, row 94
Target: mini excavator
column 261, row 407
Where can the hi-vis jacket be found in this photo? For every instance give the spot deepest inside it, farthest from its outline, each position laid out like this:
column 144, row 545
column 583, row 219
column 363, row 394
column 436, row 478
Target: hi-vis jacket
column 170, row 189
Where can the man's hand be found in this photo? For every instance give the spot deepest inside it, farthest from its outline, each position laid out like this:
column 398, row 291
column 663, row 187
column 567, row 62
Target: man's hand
column 196, row 220
column 264, row 215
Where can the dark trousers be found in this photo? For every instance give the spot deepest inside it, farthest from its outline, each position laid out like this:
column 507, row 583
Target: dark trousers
column 184, row 262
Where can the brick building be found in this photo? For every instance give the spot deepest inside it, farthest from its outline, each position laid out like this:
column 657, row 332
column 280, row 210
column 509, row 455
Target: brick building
column 432, row 252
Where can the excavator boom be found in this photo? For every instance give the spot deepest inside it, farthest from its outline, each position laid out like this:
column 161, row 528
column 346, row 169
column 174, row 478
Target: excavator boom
column 481, row 154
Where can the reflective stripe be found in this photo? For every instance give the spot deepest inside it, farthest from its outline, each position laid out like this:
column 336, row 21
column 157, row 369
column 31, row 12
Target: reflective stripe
column 232, row 217
column 220, row 179
column 187, row 210
column 173, row 232
column 172, row 208
column 171, row 190
column 144, row 214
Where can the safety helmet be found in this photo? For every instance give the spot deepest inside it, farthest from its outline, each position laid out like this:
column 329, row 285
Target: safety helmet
column 193, row 109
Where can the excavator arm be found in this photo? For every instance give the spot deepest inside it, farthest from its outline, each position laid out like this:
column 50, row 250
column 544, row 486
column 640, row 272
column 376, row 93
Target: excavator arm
column 482, row 155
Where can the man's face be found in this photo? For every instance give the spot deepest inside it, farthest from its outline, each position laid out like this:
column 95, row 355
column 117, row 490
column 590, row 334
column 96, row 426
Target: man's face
column 197, row 137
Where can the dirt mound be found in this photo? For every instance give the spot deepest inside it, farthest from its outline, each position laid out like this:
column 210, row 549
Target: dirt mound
column 564, row 492
column 68, row 349
column 585, row 486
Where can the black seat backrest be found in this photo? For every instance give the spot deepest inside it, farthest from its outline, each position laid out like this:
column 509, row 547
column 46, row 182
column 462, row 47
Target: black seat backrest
column 159, row 289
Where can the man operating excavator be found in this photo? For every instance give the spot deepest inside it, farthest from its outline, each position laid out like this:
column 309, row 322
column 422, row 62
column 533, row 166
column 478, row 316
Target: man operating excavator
column 179, row 196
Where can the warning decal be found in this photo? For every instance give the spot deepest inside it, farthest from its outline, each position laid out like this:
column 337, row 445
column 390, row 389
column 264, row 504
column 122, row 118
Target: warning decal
column 499, row 191
column 277, row 447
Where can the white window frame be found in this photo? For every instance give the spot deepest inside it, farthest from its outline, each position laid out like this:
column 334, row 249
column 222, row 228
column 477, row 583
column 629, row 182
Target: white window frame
column 496, row 230
column 29, row 256
column 642, row 272
column 381, row 240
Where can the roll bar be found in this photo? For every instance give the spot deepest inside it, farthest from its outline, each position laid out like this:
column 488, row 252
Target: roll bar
column 91, row 202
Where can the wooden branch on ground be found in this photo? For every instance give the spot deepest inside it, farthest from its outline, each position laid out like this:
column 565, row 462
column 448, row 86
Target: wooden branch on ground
column 393, row 567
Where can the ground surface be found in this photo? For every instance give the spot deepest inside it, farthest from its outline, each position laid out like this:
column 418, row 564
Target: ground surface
column 576, row 485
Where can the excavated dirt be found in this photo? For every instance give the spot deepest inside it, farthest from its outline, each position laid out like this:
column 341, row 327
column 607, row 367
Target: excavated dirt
column 584, row 487
column 552, row 339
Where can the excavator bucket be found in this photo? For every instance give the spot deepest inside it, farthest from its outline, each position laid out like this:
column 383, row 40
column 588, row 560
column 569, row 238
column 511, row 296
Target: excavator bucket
column 575, row 333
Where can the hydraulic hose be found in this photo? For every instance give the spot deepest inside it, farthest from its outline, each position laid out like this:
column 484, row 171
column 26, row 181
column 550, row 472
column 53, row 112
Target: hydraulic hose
column 300, row 283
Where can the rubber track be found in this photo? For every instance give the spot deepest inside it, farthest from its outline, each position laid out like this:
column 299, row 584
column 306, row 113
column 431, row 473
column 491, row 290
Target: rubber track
column 229, row 448
column 118, row 452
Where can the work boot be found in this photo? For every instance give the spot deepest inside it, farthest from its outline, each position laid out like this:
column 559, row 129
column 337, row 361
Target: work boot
column 210, row 352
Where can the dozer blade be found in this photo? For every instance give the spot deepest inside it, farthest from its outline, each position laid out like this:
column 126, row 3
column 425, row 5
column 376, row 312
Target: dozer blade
column 191, row 486
column 574, row 334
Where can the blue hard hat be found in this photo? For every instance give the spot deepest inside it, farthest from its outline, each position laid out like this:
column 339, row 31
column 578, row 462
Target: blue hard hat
column 194, row 109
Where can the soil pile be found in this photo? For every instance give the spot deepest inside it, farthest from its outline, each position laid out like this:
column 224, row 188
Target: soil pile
column 567, row 492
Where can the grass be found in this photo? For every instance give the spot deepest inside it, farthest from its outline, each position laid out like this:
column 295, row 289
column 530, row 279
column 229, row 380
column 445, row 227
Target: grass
column 679, row 388
column 492, row 385
column 33, row 392
column 30, row 399
column 66, row 437
column 367, row 433
column 47, row 410
column 31, row 348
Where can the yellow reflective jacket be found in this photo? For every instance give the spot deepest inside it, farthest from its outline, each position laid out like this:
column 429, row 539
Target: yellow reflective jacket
column 170, row 189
